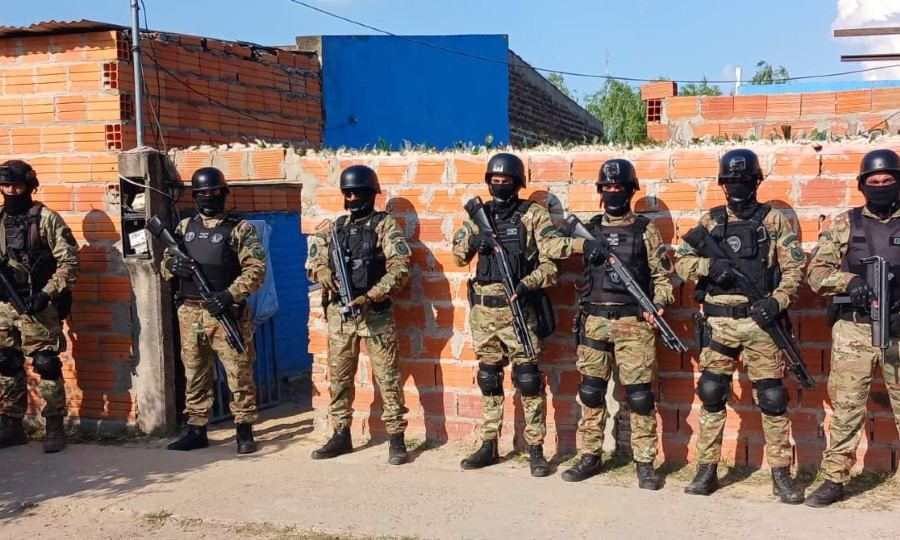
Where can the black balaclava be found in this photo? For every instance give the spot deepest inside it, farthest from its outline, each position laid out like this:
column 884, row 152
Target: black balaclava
column 742, row 198
column 617, row 203
column 882, row 200
column 362, row 205
column 211, row 205
column 506, row 198
column 16, row 205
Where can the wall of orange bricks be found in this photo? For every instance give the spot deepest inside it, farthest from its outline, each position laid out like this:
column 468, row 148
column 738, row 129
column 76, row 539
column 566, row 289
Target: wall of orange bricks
column 838, row 113
column 66, row 107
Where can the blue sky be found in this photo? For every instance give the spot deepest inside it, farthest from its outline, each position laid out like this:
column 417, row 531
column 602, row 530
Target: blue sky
column 679, row 39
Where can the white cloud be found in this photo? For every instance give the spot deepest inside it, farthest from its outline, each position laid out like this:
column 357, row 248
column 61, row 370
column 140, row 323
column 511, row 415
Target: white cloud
column 865, row 14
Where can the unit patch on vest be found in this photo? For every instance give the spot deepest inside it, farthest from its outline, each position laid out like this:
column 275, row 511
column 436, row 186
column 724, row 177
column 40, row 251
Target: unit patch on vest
column 189, row 237
column 734, row 243
column 613, row 240
column 216, row 238
column 203, row 236
column 797, row 254
column 895, row 240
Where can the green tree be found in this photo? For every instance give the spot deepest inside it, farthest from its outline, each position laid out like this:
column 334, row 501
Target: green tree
column 559, row 82
column 620, row 108
column 766, row 74
column 702, row 89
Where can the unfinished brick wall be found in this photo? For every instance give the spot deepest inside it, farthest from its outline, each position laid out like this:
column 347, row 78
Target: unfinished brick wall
column 852, row 112
column 426, row 193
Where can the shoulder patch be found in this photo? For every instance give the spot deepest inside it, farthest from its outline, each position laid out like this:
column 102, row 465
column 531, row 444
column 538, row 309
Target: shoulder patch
column 313, row 250
column 460, row 234
column 791, row 238
column 549, row 232
column 797, row 254
column 402, row 248
column 825, row 235
column 259, row 253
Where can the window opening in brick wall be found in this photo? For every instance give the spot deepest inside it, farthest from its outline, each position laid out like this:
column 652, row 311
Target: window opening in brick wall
column 654, row 110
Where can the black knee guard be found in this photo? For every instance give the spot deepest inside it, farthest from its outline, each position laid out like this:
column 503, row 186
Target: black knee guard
column 713, row 390
column 640, row 398
column 592, row 391
column 12, row 361
column 772, row 396
column 48, row 365
column 490, row 379
column 528, row 379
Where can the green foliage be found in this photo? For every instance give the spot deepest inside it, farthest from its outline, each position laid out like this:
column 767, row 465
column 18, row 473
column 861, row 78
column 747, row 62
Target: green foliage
column 766, row 74
column 620, row 108
column 559, row 82
column 702, row 89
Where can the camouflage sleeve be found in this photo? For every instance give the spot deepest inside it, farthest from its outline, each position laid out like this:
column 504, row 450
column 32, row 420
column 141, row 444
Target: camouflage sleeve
column 688, row 265
column 252, row 256
column 396, row 252
column 790, row 258
column 660, row 266
column 542, row 230
column 179, row 234
column 824, row 273
column 563, row 247
column 462, row 255
column 65, row 251
column 317, row 257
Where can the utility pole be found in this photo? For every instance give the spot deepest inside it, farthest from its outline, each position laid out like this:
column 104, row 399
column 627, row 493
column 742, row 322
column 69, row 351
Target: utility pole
column 138, row 73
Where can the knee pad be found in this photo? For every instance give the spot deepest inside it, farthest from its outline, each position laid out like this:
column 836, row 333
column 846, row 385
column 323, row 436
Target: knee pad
column 490, row 379
column 640, row 398
column 12, row 361
column 48, row 365
column 772, row 396
column 713, row 390
column 529, row 379
column 592, row 391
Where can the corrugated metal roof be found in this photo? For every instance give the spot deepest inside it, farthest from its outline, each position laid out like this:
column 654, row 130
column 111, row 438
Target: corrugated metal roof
column 57, row 27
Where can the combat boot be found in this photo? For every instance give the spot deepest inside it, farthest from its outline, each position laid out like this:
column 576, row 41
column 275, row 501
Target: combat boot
column 587, row 466
column 706, row 481
column 826, row 494
column 397, row 451
column 245, row 442
column 11, row 431
column 484, row 456
column 55, row 437
column 539, row 465
column 647, row 477
column 783, row 486
column 192, row 440
column 339, row 444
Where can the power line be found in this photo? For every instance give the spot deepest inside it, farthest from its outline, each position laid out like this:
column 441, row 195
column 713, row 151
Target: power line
column 561, row 72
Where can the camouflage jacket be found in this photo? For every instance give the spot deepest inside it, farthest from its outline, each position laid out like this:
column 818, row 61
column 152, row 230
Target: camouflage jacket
column 657, row 254
column 784, row 252
column 391, row 242
column 245, row 242
column 58, row 238
column 539, row 230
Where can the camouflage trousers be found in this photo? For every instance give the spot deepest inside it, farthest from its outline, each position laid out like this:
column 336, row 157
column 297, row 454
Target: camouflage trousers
column 763, row 360
column 634, row 353
column 30, row 334
column 380, row 333
column 202, row 339
column 495, row 343
column 853, row 361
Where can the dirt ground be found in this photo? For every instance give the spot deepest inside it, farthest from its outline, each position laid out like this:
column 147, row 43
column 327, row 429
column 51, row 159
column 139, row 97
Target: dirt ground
column 138, row 489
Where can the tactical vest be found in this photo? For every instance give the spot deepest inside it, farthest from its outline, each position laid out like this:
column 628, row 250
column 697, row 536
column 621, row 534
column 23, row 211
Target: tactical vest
column 513, row 237
column 602, row 285
column 24, row 244
column 367, row 261
column 868, row 237
column 210, row 248
column 747, row 242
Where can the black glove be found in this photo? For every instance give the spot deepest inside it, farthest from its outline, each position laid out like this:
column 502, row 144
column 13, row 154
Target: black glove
column 481, row 243
column 594, row 252
column 765, row 311
column 37, row 303
column 219, row 302
column 180, row 267
column 721, row 271
column 521, row 291
column 860, row 293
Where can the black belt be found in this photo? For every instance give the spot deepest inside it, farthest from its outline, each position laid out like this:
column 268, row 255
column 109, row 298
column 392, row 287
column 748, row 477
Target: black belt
column 596, row 344
column 741, row 311
column 490, row 301
column 612, row 312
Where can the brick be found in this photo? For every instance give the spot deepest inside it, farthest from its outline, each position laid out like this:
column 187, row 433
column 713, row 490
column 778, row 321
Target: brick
column 843, row 159
column 813, row 103
column 679, row 107
column 430, row 170
column 736, row 129
column 696, row 163
column 268, row 164
column 652, row 165
column 783, row 106
column 826, row 192
column 658, row 90
column 796, row 161
column 750, row 106
column 468, row 170
column 549, row 168
column 583, row 198
column 586, row 165
column 678, row 195
column 658, row 132
column 853, row 101
column 885, row 99
column 716, row 107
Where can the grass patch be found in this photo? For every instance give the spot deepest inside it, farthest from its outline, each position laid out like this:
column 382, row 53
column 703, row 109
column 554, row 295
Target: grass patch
column 156, row 519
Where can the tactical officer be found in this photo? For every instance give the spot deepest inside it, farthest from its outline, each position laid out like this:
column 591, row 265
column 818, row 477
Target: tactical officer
column 378, row 267
column 836, row 270
column 228, row 252
column 42, row 268
column 523, row 229
column 760, row 243
column 611, row 326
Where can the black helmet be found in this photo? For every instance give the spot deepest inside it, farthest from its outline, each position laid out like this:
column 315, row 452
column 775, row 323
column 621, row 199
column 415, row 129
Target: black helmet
column 740, row 164
column 208, row 178
column 16, row 171
column 618, row 171
column 359, row 176
column 883, row 160
column 506, row 164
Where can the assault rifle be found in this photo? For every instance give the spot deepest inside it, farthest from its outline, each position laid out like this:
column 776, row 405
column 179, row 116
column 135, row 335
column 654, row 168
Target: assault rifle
column 162, row 233
column 9, row 288
column 476, row 212
column 881, row 303
column 339, row 259
column 707, row 246
column 572, row 226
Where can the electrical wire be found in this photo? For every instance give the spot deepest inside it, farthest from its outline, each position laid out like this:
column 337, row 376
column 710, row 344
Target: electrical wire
column 153, row 109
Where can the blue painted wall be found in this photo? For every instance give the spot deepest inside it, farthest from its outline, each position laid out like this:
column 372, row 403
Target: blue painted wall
column 394, row 89
column 797, row 88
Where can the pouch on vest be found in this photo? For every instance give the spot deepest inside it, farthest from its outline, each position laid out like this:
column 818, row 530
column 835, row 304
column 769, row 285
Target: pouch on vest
column 543, row 308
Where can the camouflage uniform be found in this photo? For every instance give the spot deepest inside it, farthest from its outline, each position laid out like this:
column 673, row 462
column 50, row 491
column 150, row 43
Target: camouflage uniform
column 492, row 327
column 853, row 358
column 202, row 336
column 634, row 344
column 762, row 358
column 375, row 325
